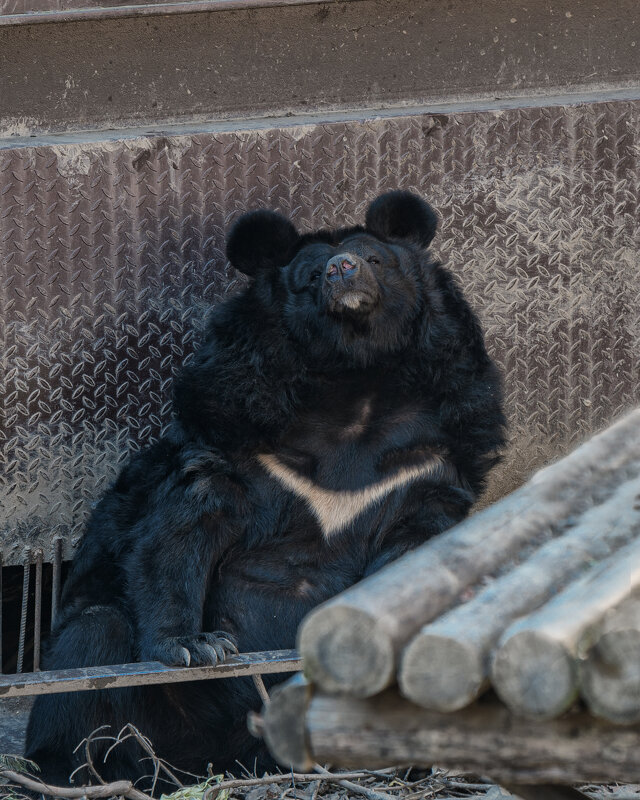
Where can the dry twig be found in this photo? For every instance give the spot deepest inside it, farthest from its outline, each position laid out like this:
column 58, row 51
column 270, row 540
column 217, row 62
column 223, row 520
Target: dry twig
column 87, row 742
column 130, row 731
column 115, row 789
column 240, row 783
column 371, row 794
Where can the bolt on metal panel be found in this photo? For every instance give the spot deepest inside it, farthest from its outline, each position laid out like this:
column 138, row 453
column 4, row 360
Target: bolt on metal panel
column 112, row 253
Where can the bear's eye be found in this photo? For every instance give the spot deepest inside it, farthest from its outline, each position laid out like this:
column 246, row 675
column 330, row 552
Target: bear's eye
column 373, row 260
column 314, row 276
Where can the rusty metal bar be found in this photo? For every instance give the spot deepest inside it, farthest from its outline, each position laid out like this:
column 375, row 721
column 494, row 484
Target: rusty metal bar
column 23, row 614
column 37, row 622
column 117, row 676
column 107, row 11
column 56, row 582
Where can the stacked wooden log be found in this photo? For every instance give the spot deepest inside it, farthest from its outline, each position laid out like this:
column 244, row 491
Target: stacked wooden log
column 536, row 597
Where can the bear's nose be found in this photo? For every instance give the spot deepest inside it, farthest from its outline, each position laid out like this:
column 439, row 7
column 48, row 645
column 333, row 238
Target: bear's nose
column 341, row 267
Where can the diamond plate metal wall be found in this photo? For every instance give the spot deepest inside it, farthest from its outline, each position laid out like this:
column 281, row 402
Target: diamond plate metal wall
column 111, row 254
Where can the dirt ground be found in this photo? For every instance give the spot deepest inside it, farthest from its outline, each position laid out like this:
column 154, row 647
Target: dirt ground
column 385, row 785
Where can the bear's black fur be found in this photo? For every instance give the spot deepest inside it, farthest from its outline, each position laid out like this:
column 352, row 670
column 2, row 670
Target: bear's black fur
column 341, row 410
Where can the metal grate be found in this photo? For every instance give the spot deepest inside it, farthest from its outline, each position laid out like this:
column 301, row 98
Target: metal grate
column 29, row 599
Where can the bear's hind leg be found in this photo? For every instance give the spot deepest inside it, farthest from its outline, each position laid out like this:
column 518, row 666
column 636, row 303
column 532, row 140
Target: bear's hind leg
column 58, row 723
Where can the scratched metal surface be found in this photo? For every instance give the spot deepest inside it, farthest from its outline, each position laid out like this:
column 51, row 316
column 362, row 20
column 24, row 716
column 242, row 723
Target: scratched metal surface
column 110, row 256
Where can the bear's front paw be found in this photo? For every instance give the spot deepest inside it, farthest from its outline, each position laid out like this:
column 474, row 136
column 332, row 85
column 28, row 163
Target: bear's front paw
column 199, row 650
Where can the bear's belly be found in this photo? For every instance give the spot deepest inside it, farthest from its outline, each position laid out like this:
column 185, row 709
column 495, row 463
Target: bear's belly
column 262, row 604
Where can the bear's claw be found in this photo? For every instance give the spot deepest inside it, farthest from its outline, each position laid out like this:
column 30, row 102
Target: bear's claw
column 198, row 650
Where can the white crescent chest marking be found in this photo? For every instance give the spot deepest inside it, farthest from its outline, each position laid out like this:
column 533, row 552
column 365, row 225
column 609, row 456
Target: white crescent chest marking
column 334, row 509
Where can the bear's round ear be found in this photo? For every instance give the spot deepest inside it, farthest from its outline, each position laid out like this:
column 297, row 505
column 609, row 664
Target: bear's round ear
column 261, row 240
column 402, row 215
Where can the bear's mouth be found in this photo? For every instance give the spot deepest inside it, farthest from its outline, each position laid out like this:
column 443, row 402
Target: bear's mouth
column 352, row 301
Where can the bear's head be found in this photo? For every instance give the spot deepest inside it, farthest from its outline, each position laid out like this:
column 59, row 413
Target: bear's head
column 352, row 294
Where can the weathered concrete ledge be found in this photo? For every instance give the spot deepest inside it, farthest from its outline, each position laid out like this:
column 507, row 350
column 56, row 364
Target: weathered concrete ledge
column 291, row 59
